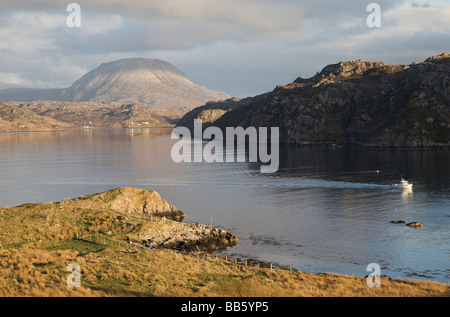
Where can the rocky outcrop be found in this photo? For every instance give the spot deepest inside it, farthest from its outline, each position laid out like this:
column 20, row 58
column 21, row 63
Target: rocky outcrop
column 415, row 225
column 214, row 110
column 164, row 227
column 182, row 236
column 357, row 102
column 131, row 200
column 137, row 216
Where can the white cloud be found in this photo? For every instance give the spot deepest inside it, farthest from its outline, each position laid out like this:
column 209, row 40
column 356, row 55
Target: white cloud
column 411, row 18
column 242, row 47
column 101, row 23
column 11, row 79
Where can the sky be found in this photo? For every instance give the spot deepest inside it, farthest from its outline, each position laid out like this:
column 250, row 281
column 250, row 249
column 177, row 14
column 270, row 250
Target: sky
column 241, row 47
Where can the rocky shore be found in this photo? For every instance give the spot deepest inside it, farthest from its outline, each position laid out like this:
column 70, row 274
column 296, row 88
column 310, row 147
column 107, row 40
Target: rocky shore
column 187, row 236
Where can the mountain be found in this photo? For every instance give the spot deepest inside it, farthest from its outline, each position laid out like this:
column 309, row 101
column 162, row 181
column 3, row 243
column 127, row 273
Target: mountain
column 153, row 82
column 356, row 102
column 140, row 80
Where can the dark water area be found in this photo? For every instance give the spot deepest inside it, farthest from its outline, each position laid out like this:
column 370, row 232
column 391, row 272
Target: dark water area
column 326, row 209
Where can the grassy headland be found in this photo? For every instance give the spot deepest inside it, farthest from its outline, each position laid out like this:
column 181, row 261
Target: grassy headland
column 107, row 235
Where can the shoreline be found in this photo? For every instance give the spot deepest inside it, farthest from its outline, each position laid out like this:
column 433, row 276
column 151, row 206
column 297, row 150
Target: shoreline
column 262, row 264
column 282, row 145
column 84, row 129
column 116, row 272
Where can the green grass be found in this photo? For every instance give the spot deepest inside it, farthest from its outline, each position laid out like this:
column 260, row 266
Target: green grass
column 81, row 246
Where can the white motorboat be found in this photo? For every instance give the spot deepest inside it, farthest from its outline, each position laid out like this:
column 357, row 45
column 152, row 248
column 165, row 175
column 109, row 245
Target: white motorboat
column 404, row 184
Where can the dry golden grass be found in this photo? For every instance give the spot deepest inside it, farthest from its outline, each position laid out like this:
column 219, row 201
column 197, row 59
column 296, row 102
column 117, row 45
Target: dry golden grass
column 112, row 272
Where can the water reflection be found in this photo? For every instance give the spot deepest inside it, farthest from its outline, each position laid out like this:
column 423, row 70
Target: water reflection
column 326, row 208
column 407, row 194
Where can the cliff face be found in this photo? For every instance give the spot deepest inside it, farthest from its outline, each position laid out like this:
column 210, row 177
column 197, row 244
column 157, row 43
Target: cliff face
column 214, row 110
column 358, row 102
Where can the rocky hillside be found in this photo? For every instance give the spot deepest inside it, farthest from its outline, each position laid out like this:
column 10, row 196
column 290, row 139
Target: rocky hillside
column 96, row 114
column 356, row 102
column 16, row 119
column 213, row 110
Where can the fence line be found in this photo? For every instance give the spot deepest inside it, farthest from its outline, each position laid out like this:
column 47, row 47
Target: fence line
column 247, row 264
column 98, row 239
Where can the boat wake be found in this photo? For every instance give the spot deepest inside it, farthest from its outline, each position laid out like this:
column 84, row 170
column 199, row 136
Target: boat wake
column 306, row 183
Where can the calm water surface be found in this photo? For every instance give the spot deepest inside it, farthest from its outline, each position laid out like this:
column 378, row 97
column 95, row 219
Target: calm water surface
column 325, row 209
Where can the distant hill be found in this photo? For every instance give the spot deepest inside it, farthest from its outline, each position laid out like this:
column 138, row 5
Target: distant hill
column 153, row 82
column 140, row 80
column 128, row 92
column 30, row 94
column 59, row 115
column 355, row 102
column 16, row 119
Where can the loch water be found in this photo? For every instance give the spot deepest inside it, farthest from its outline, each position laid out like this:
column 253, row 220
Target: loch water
column 326, row 209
